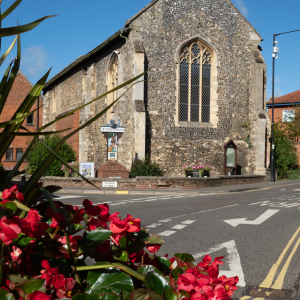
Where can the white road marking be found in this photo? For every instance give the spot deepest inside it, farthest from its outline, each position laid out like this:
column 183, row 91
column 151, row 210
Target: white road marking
column 188, row 222
column 165, row 220
column 154, row 225
column 234, row 262
column 66, row 197
column 167, row 233
column 179, row 226
column 265, row 216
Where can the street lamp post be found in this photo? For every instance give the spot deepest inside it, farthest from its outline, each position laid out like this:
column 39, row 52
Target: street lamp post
column 275, row 51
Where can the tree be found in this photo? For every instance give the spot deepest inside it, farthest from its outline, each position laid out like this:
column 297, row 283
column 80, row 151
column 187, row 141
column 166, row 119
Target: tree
column 285, row 154
column 292, row 124
column 39, row 153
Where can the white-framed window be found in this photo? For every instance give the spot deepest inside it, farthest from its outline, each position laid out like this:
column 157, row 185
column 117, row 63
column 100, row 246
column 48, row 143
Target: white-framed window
column 195, row 83
column 288, row 115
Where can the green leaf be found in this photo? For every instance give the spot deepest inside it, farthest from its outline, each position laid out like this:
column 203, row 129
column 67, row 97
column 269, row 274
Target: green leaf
column 139, row 294
column 154, row 296
column 141, row 235
column 90, row 246
column 49, row 199
column 5, row 295
column 129, row 271
column 185, row 257
column 9, row 205
column 170, row 295
column 96, row 297
column 110, row 280
column 94, row 267
column 21, row 29
column 23, row 240
column 148, row 268
column 163, row 264
column 10, row 9
column 33, row 133
column 6, row 53
column 14, row 71
column 33, row 285
column 133, row 246
column 155, row 239
column 73, row 228
column 17, row 279
column 97, row 234
column 120, row 255
column 157, row 283
column 177, row 271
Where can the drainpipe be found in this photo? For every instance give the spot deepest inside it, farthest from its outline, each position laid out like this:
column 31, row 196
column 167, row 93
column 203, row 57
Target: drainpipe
column 37, row 114
column 124, row 30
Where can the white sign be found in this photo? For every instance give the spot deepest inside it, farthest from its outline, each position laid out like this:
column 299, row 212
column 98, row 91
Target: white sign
column 111, row 184
column 265, row 216
column 110, row 129
column 233, row 258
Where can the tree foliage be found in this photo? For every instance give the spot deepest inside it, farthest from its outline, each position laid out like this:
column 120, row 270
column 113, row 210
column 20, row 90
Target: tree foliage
column 292, row 124
column 285, row 154
column 145, row 168
column 39, row 153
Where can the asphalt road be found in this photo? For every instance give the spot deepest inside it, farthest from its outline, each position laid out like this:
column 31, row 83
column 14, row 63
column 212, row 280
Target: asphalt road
column 261, row 247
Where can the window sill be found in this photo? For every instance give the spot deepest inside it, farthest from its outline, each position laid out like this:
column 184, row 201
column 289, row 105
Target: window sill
column 195, row 124
column 12, row 160
column 30, row 125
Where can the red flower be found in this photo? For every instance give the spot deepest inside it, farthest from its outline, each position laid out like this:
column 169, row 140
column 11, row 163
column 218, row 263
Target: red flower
column 117, row 225
column 73, row 241
column 90, row 209
column 32, row 225
column 37, row 295
column 186, row 282
column 93, row 224
column 16, row 254
column 9, row 231
column 57, row 219
column 153, row 247
column 133, row 224
column 104, row 212
column 78, row 216
column 63, row 285
column 12, row 193
column 229, row 284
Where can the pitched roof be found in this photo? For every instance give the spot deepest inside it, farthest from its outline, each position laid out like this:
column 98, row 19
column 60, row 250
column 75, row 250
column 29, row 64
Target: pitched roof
column 293, row 97
column 117, row 35
column 25, row 77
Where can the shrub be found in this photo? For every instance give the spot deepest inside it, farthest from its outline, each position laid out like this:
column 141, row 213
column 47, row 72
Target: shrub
column 285, row 154
column 46, row 257
column 39, row 153
column 145, row 168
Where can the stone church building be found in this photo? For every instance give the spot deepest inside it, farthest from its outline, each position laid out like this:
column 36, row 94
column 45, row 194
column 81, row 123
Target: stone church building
column 206, row 85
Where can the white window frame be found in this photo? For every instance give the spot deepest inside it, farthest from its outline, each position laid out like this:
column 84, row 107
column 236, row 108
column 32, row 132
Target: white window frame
column 288, row 115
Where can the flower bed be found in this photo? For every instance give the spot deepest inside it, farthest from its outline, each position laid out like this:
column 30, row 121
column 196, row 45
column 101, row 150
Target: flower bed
column 43, row 257
column 197, row 167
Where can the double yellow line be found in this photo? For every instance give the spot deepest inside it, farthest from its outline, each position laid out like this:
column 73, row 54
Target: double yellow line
column 267, row 283
column 279, row 281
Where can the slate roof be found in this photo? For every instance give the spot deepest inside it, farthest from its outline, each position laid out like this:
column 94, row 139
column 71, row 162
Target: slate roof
column 114, row 37
column 293, row 97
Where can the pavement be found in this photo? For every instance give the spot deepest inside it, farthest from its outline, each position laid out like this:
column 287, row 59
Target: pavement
column 232, row 188
column 256, row 227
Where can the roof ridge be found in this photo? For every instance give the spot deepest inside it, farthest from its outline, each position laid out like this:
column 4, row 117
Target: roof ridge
column 287, row 98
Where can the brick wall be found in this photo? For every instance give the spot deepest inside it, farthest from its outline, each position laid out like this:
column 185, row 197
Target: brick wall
column 72, row 122
column 18, row 93
column 278, row 112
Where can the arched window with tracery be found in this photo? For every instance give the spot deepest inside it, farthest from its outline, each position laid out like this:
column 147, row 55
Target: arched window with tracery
column 112, row 82
column 195, row 83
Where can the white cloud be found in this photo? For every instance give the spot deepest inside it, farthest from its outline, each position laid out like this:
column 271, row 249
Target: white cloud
column 34, row 61
column 241, row 7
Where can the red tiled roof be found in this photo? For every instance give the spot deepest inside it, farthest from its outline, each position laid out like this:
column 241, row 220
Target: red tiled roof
column 288, row 98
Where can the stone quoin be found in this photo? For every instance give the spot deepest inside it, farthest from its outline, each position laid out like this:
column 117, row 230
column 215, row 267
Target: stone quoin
column 206, row 85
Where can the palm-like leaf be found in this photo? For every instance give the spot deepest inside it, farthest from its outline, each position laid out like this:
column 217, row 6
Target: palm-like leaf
column 6, row 53
column 21, row 29
column 10, row 9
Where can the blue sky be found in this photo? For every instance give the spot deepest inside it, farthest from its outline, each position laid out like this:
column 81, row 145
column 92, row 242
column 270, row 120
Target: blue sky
column 82, row 25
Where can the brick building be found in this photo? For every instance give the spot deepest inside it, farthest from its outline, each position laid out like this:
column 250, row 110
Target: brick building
column 206, row 86
column 20, row 89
